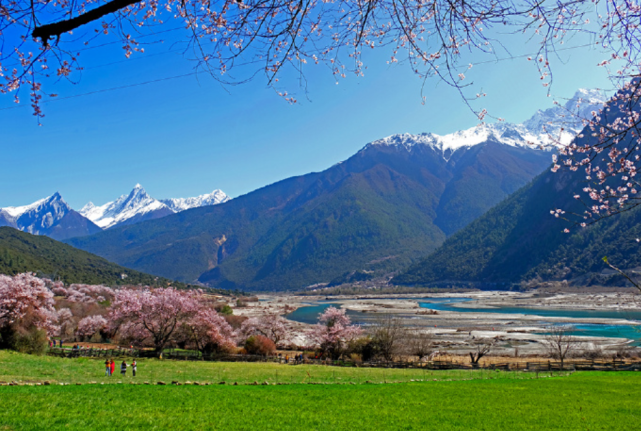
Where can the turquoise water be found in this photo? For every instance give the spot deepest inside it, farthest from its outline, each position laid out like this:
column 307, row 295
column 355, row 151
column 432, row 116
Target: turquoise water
column 596, row 330
column 445, row 304
column 309, row 314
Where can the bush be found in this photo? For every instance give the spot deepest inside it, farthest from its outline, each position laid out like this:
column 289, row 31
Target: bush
column 259, row 345
column 32, row 341
column 226, row 310
column 235, row 321
column 596, row 352
column 365, row 347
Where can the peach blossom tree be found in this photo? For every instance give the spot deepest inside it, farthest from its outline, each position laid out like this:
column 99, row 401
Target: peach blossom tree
column 26, row 309
column 333, row 332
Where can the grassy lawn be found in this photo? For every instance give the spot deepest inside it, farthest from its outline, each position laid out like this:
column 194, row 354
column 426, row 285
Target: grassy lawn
column 27, row 368
column 582, row 401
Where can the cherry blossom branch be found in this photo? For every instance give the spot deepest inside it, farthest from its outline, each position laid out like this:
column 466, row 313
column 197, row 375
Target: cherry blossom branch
column 48, row 31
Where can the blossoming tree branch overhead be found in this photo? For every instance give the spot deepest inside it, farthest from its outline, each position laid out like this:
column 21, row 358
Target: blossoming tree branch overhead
column 44, row 39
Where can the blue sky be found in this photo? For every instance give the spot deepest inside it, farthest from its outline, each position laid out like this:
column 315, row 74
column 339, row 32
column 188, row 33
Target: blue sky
column 187, row 136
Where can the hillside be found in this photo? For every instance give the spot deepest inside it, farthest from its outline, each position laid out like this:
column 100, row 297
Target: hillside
column 519, row 240
column 392, row 202
column 22, row 252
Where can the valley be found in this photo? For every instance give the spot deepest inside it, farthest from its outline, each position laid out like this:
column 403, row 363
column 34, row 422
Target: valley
column 605, row 323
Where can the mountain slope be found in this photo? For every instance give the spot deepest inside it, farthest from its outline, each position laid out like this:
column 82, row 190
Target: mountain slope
column 382, row 203
column 51, row 216
column 391, row 203
column 519, row 240
column 22, row 252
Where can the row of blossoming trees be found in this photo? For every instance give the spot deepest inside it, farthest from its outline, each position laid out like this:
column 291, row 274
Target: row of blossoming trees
column 33, row 310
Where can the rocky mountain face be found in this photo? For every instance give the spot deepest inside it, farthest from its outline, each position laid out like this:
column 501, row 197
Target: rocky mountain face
column 138, row 206
column 51, row 216
column 393, row 202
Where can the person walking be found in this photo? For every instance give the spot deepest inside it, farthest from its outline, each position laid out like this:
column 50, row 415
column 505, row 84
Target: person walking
column 134, row 365
column 107, row 368
column 123, row 368
column 61, row 343
column 54, row 343
column 112, row 367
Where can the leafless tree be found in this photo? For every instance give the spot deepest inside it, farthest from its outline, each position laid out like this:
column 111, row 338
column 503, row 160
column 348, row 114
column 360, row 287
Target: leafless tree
column 387, row 334
column 483, row 347
column 560, row 344
column 419, row 343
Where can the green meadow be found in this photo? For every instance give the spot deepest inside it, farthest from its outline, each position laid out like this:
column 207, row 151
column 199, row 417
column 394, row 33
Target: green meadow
column 493, row 401
column 30, row 368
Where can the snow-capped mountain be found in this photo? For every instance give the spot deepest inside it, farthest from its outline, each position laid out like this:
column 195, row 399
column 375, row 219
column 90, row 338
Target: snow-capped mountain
column 181, row 204
column 135, row 207
column 138, row 206
column 541, row 131
column 51, row 216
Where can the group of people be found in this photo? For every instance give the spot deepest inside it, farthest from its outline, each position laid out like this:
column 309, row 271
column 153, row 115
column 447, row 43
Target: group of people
column 110, row 367
column 52, row 343
column 298, row 359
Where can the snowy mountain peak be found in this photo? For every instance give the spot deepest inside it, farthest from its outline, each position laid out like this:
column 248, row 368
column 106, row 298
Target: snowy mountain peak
column 563, row 122
column 40, row 217
column 138, row 206
column 88, row 207
column 54, row 201
column 182, row 204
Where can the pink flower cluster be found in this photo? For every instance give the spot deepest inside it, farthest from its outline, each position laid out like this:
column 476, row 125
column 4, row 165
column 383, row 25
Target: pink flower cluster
column 271, row 326
column 91, row 325
column 608, row 151
column 26, row 296
column 156, row 317
column 333, row 331
column 85, row 293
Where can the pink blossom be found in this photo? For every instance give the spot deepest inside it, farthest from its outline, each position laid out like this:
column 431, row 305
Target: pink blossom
column 273, row 327
column 26, row 295
column 91, row 325
column 333, row 331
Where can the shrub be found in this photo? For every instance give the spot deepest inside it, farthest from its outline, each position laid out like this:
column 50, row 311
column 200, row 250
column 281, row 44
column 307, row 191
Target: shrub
column 226, row 310
column 32, row 341
column 259, row 345
column 235, row 321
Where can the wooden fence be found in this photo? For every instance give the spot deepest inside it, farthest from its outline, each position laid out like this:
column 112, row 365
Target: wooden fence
column 541, row 366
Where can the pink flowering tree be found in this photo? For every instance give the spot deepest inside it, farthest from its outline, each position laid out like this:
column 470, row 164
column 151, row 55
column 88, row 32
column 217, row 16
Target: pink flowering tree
column 66, row 323
column 333, row 332
column 90, row 326
column 152, row 316
column 272, row 326
column 86, row 293
column 26, row 310
column 208, row 332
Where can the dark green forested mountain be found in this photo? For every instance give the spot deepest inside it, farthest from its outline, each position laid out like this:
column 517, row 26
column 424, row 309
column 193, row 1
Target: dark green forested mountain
column 22, row 252
column 519, row 240
column 386, row 206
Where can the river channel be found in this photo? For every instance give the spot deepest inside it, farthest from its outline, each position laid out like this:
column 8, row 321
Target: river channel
column 309, row 314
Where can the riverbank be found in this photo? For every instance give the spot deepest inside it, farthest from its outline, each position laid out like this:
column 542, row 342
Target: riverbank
column 610, row 319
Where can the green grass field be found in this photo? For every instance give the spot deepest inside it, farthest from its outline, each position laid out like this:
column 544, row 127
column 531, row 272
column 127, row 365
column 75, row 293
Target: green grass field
column 27, row 368
column 582, row 401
